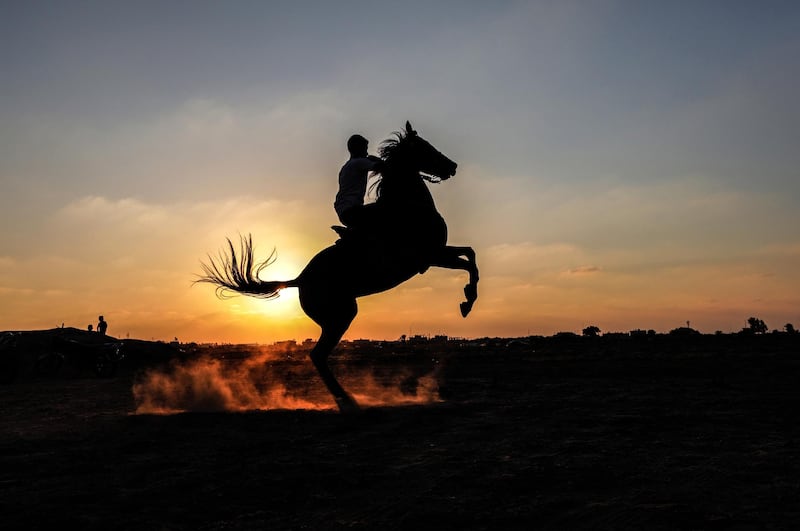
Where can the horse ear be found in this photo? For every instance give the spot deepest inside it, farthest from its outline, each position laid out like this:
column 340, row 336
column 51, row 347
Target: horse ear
column 409, row 129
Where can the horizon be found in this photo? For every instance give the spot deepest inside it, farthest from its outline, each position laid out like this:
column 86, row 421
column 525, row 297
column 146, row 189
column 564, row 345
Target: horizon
column 787, row 328
column 620, row 165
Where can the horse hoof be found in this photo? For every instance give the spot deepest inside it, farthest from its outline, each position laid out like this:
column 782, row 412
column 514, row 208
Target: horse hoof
column 466, row 307
column 347, row 405
column 471, row 292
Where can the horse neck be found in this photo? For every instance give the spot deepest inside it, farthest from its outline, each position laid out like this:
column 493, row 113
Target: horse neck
column 405, row 187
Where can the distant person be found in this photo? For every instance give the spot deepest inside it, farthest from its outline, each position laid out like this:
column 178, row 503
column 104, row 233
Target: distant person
column 102, row 325
column 91, row 327
column 349, row 204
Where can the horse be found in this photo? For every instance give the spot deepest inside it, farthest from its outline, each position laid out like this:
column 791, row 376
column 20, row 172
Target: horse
column 411, row 236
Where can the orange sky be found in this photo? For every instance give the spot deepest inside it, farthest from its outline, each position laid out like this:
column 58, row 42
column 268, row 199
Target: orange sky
column 140, row 279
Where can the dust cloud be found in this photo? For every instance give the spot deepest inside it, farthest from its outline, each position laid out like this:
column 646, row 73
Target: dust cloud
column 267, row 381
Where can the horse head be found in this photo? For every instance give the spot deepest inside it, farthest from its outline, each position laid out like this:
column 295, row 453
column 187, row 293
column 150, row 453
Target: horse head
column 411, row 152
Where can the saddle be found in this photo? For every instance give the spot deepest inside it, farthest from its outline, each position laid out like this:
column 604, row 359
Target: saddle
column 369, row 239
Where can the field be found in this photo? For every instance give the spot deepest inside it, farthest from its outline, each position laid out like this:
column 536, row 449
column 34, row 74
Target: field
column 537, row 433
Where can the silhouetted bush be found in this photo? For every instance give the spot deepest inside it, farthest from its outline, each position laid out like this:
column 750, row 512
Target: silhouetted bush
column 591, row 331
column 757, row 326
column 684, row 331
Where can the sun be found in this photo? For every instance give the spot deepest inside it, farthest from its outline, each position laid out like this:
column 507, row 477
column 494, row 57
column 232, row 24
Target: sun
column 286, row 305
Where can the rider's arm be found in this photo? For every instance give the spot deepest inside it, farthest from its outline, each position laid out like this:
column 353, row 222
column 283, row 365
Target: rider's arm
column 375, row 163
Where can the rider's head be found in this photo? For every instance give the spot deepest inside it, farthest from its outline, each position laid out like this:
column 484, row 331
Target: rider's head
column 357, row 146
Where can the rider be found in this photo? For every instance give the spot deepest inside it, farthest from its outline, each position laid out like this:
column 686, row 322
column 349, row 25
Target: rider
column 349, row 204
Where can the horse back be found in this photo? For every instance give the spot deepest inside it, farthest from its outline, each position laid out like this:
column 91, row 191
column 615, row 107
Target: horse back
column 356, row 271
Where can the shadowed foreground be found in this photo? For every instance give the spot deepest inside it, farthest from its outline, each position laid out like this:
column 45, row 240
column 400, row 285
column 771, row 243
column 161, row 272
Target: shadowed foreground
column 519, row 442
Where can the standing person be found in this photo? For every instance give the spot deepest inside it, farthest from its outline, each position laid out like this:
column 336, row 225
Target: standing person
column 349, row 204
column 102, row 325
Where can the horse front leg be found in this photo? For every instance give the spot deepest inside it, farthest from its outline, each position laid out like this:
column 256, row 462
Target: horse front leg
column 463, row 258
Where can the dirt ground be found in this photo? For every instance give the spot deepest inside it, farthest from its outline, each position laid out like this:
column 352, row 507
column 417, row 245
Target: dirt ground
column 517, row 440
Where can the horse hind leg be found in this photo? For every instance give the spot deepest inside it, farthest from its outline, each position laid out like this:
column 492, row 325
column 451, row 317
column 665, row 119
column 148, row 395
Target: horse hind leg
column 334, row 321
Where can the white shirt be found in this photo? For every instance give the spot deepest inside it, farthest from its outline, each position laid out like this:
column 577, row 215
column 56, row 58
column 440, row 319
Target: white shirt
column 352, row 183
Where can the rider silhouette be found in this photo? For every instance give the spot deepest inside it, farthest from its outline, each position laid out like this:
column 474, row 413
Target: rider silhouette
column 349, row 204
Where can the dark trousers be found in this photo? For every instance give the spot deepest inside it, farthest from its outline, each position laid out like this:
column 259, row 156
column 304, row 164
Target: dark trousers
column 358, row 216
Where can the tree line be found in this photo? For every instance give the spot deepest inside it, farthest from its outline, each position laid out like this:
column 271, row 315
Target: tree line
column 754, row 326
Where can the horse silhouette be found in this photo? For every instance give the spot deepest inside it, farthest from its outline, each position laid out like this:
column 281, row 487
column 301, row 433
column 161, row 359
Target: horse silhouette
column 407, row 236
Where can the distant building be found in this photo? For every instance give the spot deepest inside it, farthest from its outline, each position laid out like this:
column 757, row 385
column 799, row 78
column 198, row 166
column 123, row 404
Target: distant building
column 285, row 346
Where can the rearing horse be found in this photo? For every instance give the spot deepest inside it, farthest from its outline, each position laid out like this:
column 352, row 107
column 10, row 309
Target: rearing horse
column 411, row 236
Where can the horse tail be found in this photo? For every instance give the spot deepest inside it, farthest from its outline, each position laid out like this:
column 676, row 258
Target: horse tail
column 239, row 272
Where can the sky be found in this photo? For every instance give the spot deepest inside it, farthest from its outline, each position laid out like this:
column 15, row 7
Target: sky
column 623, row 164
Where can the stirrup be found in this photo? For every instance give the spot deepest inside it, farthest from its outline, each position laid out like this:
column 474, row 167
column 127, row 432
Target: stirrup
column 340, row 230
column 360, row 235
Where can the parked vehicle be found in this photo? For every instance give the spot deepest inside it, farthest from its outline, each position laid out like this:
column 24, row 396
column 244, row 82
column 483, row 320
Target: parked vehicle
column 101, row 358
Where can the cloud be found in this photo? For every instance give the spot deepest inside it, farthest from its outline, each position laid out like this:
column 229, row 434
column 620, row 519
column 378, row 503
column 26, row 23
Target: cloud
column 583, row 271
column 107, row 217
column 200, row 148
column 785, row 249
column 529, row 253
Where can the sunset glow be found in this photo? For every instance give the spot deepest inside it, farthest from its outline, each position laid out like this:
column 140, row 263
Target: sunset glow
column 262, row 381
column 617, row 167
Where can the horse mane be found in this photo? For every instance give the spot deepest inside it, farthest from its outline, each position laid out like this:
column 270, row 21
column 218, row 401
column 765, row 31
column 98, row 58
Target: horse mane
column 388, row 149
column 389, row 146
